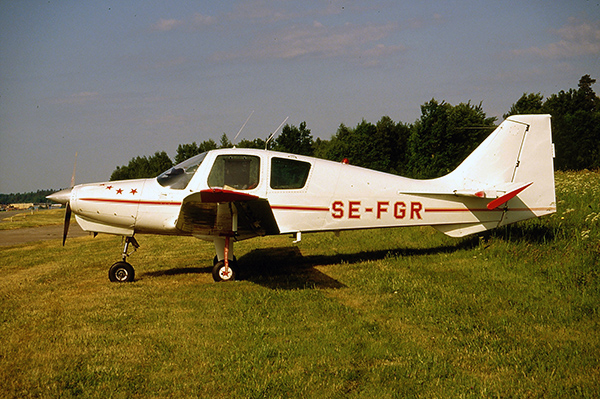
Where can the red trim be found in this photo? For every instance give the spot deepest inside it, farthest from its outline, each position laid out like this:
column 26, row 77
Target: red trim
column 123, row 201
column 460, row 210
column 221, row 195
column 441, row 210
column 506, row 197
column 299, row 208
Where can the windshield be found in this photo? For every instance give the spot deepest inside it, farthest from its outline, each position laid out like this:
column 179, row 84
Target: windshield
column 180, row 175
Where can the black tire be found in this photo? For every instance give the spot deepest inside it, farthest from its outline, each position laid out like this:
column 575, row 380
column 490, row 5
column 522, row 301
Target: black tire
column 220, row 274
column 121, row 272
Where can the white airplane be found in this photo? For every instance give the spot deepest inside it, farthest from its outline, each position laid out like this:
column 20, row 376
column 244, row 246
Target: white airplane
column 229, row 195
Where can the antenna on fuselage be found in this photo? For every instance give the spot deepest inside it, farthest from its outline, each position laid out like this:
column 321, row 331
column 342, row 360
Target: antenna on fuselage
column 242, row 128
column 273, row 134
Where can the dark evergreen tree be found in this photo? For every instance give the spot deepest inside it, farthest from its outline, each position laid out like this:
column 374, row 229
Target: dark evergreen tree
column 224, row 142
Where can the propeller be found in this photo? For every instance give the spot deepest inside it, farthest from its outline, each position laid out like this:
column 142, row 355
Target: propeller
column 64, row 197
column 67, row 221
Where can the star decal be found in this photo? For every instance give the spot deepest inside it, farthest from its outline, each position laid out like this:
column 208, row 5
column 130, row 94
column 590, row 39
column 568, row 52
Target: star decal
column 119, row 191
column 109, row 187
column 133, row 191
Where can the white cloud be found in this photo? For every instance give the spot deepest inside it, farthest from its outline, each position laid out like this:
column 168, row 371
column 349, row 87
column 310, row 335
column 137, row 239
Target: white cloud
column 320, row 41
column 165, row 25
column 200, row 20
column 258, row 10
column 576, row 39
column 196, row 21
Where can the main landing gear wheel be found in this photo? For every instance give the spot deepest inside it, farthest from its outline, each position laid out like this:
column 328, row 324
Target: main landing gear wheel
column 121, row 272
column 222, row 273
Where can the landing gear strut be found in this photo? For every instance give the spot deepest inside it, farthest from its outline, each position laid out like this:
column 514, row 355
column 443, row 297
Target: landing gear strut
column 224, row 270
column 123, row 272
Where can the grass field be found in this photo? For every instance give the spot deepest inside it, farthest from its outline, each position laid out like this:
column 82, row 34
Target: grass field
column 32, row 218
column 377, row 314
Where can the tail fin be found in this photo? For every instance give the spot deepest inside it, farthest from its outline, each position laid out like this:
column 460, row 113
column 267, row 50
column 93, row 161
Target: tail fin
column 514, row 167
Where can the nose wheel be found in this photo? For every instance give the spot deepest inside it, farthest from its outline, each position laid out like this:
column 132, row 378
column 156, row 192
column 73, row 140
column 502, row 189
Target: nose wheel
column 123, row 272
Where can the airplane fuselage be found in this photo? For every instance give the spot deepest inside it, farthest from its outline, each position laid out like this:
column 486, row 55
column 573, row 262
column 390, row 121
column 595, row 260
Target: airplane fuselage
column 234, row 194
column 330, row 196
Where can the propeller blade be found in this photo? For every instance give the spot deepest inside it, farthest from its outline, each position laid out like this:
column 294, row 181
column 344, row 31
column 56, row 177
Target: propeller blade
column 73, row 175
column 67, row 221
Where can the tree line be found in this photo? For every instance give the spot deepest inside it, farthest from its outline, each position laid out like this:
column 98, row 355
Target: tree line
column 37, row 197
column 430, row 147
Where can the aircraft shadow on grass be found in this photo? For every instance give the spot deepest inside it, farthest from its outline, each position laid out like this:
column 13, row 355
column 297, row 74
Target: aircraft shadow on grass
column 532, row 234
column 287, row 268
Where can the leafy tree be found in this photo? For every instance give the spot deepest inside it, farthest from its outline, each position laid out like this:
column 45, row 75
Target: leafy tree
column 37, row 197
column 444, row 136
column 186, row 151
column 321, row 148
column 576, row 126
column 339, row 147
column 143, row 167
column 295, row 140
column 380, row 147
column 389, row 146
column 256, row 143
column 528, row 104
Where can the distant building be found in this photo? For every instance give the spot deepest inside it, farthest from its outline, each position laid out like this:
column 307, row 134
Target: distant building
column 21, row 206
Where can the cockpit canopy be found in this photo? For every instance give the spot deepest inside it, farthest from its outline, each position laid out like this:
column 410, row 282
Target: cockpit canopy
column 239, row 172
column 180, row 175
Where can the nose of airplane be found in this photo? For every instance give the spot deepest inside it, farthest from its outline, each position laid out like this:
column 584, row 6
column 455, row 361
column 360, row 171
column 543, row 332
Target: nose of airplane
column 62, row 197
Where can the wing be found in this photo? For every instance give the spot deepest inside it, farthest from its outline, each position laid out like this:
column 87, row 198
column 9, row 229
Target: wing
column 218, row 211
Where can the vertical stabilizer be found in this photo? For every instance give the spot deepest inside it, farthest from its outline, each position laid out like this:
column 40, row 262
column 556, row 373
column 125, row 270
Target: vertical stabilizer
column 515, row 167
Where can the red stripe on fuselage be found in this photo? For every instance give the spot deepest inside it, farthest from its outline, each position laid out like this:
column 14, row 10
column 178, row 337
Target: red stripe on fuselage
column 125, row 201
column 299, row 208
column 443, row 210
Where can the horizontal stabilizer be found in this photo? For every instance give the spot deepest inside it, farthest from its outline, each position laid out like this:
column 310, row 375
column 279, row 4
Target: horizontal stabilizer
column 500, row 192
column 510, row 194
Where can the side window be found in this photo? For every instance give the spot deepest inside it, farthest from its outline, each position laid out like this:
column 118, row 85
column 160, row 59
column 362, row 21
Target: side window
column 288, row 174
column 237, row 172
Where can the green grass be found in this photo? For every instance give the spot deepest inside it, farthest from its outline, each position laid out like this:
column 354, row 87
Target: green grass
column 37, row 218
column 378, row 313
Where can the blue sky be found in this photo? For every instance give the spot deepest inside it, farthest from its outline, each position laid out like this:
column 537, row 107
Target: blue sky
column 111, row 80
